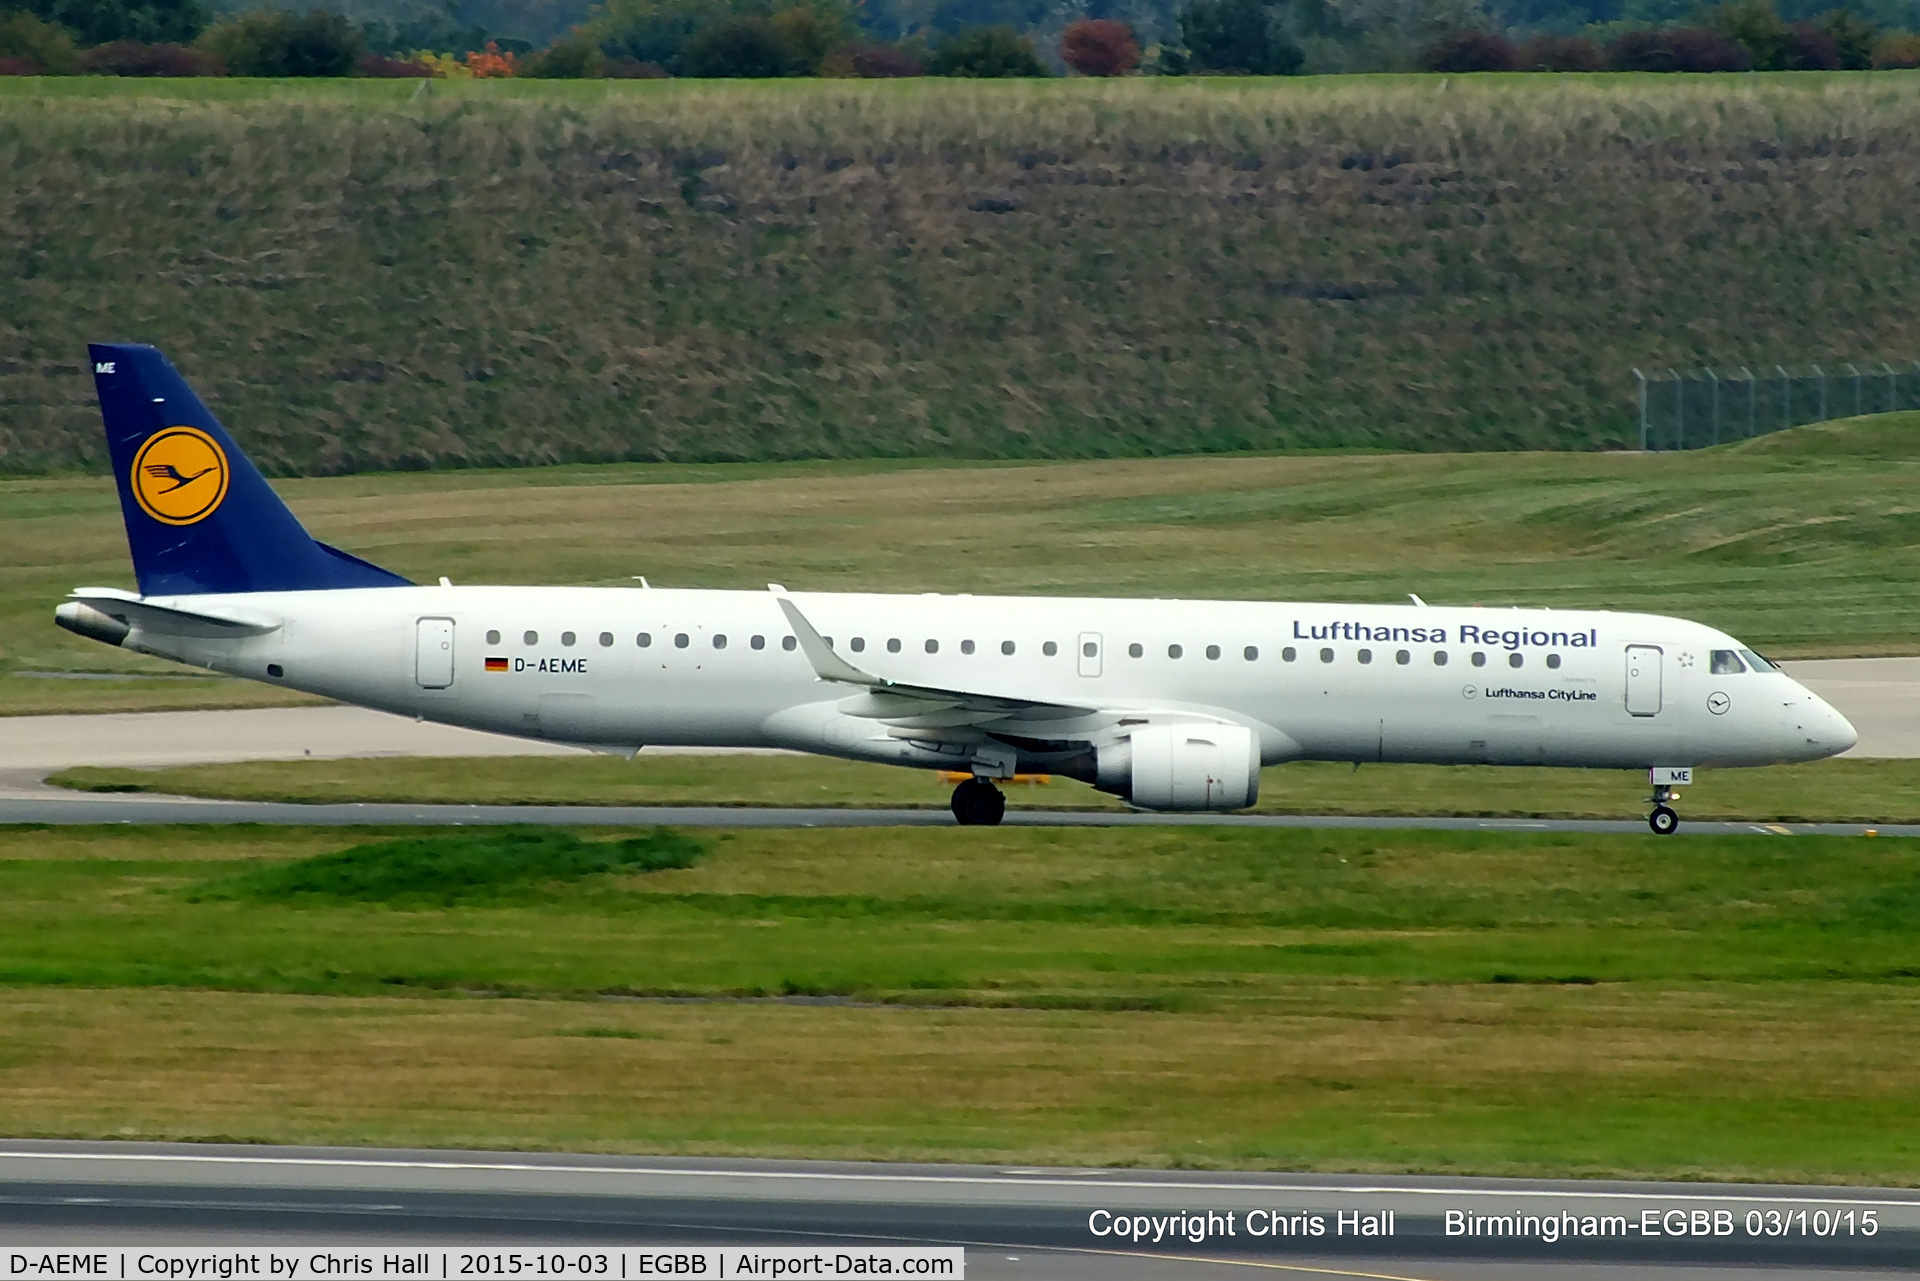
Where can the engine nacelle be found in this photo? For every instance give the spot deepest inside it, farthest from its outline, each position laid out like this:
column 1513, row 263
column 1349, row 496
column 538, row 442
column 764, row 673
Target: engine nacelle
column 1196, row 766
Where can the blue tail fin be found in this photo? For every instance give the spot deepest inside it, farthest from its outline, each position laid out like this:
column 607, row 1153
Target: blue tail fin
column 199, row 518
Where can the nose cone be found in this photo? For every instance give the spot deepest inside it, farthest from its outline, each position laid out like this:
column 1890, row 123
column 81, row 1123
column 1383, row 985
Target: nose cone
column 1826, row 731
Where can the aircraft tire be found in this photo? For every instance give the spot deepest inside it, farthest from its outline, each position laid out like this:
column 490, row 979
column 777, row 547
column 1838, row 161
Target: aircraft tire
column 978, row 803
column 1663, row 821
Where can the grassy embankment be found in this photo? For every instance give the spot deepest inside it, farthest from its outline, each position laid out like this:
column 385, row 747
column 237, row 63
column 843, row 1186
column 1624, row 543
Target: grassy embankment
column 1862, row 791
column 1803, row 544
column 370, row 276
column 1373, row 1000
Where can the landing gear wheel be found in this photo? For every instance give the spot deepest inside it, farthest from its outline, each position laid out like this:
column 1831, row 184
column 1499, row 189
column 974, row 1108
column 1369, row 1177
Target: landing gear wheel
column 1663, row 820
column 978, row 803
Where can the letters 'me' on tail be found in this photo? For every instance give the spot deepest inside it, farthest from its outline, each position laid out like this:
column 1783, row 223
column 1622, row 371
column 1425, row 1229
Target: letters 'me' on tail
column 200, row 518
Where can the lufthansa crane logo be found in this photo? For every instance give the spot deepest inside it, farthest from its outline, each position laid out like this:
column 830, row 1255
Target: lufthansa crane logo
column 179, row 475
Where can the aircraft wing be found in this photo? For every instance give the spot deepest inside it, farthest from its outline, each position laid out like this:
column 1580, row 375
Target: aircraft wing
column 921, row 706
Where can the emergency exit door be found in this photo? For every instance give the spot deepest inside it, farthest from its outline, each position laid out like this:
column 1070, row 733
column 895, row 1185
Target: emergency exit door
column 1643, row 680
column 1089, row 653
column 433, row 653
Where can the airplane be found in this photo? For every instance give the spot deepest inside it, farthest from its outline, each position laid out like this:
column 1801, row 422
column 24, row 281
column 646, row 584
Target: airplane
column 1171, row 705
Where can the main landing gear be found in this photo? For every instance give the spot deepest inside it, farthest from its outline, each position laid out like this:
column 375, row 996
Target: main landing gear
column 1663, row 820
column 978, row 803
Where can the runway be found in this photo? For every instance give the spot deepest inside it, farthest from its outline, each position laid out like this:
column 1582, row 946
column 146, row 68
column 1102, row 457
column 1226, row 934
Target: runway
column 54, row 807
column 1040, row 1223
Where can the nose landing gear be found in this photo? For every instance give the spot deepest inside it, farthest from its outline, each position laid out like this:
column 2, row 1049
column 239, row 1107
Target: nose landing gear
column 1665, row 780
column 978, row 803
column 1663, row 820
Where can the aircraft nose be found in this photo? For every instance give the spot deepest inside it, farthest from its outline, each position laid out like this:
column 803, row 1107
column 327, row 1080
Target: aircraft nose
column 1826, row 730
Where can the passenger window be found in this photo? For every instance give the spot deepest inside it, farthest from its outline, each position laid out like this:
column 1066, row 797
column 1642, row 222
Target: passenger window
column 1479, row 659
column 1251, row 653
column 858, row 644
column 1439, row 658
column 1089, row 649
column 1134, row 650
column 933, row 647
column 644, row 639
column 680, row 640
column 719, row 640
column 893, row 646
column 1727, row 663
column 1516, row 659
column 966, row 647
column 1049, row 649
column 758, row 642
column 789, row 643
column 1756, row 662
column 1288, row 654
column 1553, row 661
column 1174, row 651
column 1365, row 656
column 1213, row 651
column 1402, row 657
column 1326, row 656
column 493, row 638
column 606, row 640
column 531, row 638
column 567, row 639
column 828, row 640
column 1006, row 647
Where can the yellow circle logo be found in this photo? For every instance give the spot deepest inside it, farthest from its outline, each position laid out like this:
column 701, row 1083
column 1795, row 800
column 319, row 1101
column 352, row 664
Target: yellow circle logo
column 179, row 475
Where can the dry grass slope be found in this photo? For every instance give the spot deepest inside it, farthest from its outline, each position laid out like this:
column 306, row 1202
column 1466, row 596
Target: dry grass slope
column 362, row 277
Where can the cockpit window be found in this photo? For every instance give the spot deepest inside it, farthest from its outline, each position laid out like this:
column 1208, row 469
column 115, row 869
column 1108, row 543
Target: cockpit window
column 1727, row 663
column 1756, row 662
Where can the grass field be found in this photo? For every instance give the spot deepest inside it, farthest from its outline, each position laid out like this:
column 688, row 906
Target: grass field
column 1864, row 791
column 1737, row 1007
column 1802, row 543
column 372, row 276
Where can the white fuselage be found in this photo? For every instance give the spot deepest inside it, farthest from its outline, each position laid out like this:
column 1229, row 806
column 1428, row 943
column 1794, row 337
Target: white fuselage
column 622, row 668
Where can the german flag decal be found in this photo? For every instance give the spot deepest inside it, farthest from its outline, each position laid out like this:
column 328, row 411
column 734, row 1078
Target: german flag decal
column 496, row 664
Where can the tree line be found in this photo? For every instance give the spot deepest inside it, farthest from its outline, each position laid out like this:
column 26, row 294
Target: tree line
column 781, row 38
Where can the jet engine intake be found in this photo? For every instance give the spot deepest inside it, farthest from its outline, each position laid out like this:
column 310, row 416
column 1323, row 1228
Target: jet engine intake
column 1198, row 766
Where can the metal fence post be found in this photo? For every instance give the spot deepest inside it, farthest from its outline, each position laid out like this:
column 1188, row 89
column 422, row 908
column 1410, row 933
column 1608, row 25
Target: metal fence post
column 1713, row 413
column 1642, row 378
column 1822, row 376
column 1856, row 387
column 1679, row 408
column 1750, row 388
column 1892, row 381
column 1786, row 398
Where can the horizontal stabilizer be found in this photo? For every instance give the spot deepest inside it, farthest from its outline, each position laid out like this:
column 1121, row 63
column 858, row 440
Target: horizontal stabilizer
column 168, row 620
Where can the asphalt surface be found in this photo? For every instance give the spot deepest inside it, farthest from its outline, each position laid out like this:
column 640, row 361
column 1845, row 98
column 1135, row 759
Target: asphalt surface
column 1014, row 1222
column 56, row 807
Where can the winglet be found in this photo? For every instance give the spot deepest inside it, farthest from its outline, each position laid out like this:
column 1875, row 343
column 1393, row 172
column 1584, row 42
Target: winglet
column 827, row 665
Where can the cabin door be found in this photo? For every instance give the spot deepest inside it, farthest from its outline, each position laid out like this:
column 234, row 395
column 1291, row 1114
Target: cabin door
column 433, row 653
column 1643, row 680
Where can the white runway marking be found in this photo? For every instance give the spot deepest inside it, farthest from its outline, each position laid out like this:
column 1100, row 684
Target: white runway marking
column 1056, row 1179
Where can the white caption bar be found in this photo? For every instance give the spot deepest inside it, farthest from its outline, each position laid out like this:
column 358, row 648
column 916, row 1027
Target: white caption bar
column 476, row 1263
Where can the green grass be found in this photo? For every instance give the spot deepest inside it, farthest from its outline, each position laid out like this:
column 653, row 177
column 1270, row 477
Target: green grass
column 1803, row 544
column 1862, row 791
column 1733, row 1007
column 449, row 868
column 367, row 276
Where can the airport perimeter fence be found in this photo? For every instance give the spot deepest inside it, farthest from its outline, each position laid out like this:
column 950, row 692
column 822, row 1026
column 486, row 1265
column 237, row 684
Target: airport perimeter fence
column 1702, row 407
